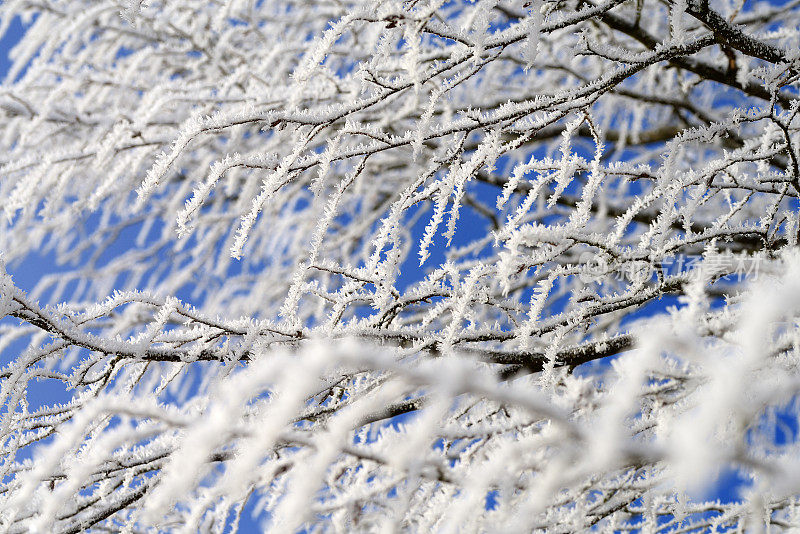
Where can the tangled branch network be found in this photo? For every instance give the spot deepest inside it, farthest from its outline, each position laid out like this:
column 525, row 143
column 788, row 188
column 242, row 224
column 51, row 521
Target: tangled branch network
column 400, row 266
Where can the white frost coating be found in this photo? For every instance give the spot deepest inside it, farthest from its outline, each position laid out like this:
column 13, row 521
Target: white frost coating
column 532, row 40
column 165, row 159
column 501, row 266
column 6, row 291
column 676, row 21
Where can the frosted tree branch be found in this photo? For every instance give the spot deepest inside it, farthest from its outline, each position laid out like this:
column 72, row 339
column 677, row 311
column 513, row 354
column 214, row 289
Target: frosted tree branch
column 423, row 266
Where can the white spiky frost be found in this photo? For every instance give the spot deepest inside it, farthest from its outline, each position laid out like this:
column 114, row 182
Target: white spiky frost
column 399, row 266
